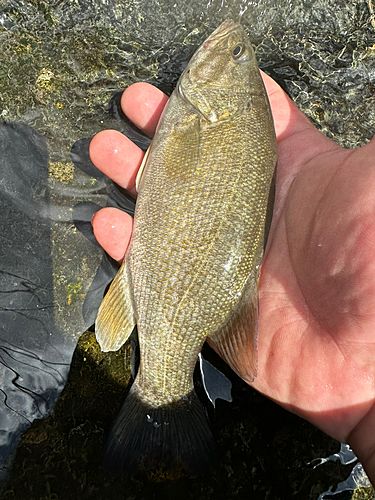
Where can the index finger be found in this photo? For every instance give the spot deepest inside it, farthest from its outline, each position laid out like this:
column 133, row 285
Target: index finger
column 143, row 104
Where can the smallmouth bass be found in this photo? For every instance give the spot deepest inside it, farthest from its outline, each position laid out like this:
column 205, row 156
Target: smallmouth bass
column 192, row 267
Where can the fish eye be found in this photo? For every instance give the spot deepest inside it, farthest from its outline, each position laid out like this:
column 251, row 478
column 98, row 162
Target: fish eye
column 238, row 51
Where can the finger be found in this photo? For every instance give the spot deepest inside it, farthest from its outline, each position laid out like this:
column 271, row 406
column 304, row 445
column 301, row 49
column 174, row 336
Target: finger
column 288, row 119
column 113, row 229
column 143, row 104
column 117, row 157
column 299, row 141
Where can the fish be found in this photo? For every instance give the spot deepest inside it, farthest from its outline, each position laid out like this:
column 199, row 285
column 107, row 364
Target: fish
column 191, row 271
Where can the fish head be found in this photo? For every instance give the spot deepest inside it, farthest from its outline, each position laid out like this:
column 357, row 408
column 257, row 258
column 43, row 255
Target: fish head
column 217, row 82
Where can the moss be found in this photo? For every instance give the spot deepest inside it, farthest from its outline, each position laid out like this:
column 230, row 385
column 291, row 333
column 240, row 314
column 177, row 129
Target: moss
column 74, row 292
column 363, row 494
column 61, row 171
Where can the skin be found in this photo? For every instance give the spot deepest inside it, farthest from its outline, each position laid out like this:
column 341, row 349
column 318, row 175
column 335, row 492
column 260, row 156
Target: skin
column 316, row 340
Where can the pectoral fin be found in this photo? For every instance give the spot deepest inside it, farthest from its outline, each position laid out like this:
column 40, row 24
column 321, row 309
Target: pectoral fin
column 116, row 319
column 237, row 341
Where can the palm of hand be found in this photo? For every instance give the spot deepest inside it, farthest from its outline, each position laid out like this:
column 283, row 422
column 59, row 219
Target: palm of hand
column 316, row 337
column 317, row 321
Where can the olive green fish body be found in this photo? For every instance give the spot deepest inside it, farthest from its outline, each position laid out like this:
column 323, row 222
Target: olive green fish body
column 199, row 230
column 199, row 208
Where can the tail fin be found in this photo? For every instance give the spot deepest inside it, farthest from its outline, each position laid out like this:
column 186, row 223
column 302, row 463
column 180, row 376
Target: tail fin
column 169, row 438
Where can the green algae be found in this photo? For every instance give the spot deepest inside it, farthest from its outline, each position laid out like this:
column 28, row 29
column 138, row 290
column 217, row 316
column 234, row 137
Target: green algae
column 363, row 494
column 61, row 63
column 59, row 79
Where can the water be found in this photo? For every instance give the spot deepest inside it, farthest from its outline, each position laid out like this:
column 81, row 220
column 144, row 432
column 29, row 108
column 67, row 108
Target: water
column 62, row 65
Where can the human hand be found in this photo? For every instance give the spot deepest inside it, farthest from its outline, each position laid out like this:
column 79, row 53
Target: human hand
column 316, row 335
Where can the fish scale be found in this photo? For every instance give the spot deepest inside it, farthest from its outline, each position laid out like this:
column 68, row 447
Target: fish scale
column 192, row 267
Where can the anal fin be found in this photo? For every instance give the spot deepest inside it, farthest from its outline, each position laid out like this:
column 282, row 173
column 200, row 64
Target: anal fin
column 236, row 342
column 116, row 319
